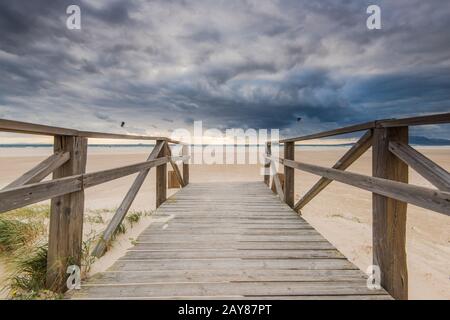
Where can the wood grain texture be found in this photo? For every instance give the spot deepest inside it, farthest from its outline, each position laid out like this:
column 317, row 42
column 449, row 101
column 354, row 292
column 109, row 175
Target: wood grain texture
column 355, row 152
column 18, row 197
column 39, row 172
column 174, row 166
column 289, row 153
column 161, row 180
column 389, row 214
column 121, row 212
column 227, row 241
column 267, row 164
column 38, row 129
column 427, row 198
column 185, row 152
column 66, row 215
column 427, row 168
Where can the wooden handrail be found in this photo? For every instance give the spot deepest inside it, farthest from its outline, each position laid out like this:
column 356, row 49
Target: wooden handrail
column 121, row 212
column 18, row 197
column 335, row 132
column 38, row 129
column 435, row 200
column 355, row 152
column 42, row 170
column 387, row 123
column 427, row 168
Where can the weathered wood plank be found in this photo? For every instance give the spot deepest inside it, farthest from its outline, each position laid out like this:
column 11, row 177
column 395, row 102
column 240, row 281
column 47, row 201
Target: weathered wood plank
column 247, row 254
column 355, row 152
column 229, row 289
column 121, row 212
column 18, row 197
column 389, row 214
column 38, row 129
column 253, row 245
column 161, row 180
column 440, row 118
column 427, row 168
column 176, row 276
column 262, row 249
column 349, row 129
column 39, row 172
column 267, row 164
column 21, row 196
column 435, row 200
column 66, row 215
column 185, row 152
column 174, row 166
column 277, row 182
column 289, row 153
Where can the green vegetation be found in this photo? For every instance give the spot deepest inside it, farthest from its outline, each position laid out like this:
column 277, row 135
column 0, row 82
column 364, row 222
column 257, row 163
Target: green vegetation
column 23, row 246
column 15, row 234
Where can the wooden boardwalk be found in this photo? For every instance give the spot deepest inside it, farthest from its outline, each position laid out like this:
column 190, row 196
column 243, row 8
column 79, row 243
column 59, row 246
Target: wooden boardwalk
column 230, row 241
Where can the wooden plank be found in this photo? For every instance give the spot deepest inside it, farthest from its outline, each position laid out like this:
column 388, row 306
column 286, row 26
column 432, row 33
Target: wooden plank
column 254, row 245
column 289, row 153
column 99, row 177
column 121, row 212
column 197, row 246
column 66, row 216
column 389, row 214
column 427, row 168
column 422, row 197
column 229, row 289
column 38, row 129
column 267, row 164
column 172, row 180
column 185, row 152
column 180, row 276
column 247, row 254
column 19, row 197
column 232, row 264
column 40, row 171
column 161, row 180
column 31, row 128
column 277, row 182
column 355, row 152
column 174, row 166
column 441, row 118
column 344, row 130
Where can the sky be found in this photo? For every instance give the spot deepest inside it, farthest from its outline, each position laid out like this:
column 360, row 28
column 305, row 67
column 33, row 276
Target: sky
column 161, row 65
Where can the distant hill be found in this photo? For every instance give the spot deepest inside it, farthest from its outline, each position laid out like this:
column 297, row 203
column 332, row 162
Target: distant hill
column 424, row 141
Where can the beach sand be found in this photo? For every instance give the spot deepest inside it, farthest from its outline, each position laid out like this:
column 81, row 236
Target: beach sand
column 341, row 213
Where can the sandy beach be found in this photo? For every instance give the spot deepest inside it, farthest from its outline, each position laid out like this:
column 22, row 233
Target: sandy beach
column 341, row 213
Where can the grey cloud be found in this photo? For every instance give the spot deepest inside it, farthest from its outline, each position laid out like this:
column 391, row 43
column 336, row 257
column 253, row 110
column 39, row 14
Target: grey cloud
column 244, row 64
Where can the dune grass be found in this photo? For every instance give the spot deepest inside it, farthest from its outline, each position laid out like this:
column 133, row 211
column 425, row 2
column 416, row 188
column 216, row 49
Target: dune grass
column 23, row 245
column 15, row 234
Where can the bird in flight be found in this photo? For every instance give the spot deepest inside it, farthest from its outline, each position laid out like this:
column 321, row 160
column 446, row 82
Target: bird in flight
column 122, row 124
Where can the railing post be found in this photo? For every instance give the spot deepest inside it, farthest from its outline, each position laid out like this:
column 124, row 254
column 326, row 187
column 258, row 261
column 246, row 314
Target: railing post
column 66, row 215
column 289, row 154
column 161, row 180
column 389, row 215
column 185, row 152
column 267, row 164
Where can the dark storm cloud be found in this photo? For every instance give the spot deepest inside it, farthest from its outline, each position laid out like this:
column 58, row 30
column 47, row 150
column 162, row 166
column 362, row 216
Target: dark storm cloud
column 260, row 64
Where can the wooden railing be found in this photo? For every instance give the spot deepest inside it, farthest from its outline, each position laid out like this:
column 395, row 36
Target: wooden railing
column 66, row 189
column 391, row 157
